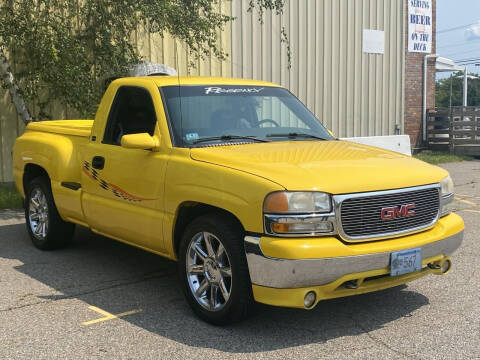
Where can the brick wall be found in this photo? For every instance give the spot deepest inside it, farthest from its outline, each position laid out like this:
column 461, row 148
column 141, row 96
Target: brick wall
column 414, row 84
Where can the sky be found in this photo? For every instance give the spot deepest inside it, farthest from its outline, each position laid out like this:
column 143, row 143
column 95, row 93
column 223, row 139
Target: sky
column 458, row 30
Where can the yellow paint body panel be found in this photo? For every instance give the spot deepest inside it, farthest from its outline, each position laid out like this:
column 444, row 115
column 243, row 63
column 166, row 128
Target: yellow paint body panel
column 63, row 127
column 200, row 80
column 336, row 167
column 137, row 197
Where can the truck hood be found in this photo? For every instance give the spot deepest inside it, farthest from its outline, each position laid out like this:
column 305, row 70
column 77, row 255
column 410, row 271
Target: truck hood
column 335, row 167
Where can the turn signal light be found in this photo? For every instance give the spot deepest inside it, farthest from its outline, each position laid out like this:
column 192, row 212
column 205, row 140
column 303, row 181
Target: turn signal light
column 301, row 227
column 276, row 203
column 280, row 228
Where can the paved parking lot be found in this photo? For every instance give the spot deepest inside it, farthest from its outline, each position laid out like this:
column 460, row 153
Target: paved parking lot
column 49, row 301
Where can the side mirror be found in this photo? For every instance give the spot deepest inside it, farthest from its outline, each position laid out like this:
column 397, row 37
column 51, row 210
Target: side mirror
column 331, row 132
column 140, row 141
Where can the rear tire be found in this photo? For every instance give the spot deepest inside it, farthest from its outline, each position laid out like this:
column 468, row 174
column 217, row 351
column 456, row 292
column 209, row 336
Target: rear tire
column 213, row 270
column 46, row 228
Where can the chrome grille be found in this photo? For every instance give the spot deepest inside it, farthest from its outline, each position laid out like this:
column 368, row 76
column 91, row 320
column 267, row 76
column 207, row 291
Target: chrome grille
column 360, row 214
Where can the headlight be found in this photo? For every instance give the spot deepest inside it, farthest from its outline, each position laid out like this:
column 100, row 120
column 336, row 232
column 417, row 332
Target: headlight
column 446, row 186
column 446, row 196
column 284, row 202
column 298, row 213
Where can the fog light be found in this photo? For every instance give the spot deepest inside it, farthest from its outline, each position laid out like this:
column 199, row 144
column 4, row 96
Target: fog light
column 309, row 299
column 447, row 264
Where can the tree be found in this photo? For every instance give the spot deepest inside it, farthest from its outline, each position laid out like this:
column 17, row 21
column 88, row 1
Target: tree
column 65, row 49
column 455, row 84
column 15, row 93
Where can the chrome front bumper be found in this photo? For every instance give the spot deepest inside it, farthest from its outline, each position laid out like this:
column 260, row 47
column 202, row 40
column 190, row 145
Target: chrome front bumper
column 289, row 274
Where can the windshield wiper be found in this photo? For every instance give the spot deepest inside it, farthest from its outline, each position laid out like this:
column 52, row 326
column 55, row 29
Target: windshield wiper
column 228, row 138
column 295, row 135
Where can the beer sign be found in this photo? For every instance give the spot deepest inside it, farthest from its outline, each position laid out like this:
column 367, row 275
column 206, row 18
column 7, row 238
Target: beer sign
column 420, row 26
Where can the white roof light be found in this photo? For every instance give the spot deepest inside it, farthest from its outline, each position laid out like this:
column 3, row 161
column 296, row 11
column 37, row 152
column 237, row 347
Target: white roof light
column 150, row 69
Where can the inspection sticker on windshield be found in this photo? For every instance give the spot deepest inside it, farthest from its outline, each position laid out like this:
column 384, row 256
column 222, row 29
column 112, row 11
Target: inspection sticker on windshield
column 191, row 136
column 219, row 90
column 404, row 262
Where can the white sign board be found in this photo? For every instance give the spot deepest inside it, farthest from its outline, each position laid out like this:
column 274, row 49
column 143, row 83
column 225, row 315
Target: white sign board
column 420, row 26
column 373, row 41
column 397, row 143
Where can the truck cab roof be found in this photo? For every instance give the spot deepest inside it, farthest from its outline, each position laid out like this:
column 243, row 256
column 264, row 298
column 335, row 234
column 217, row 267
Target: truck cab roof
column 198, row 80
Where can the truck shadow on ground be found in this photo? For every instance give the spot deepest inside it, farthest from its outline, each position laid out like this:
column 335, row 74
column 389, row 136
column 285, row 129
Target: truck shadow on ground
column 117, row 278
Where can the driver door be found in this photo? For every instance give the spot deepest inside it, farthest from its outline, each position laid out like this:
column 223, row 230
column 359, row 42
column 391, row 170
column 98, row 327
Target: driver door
column 123, row 188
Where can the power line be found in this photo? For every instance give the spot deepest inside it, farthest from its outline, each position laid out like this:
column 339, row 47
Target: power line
column 467, row 59
column 458, row 44
column 455, row 28
column 468, row 62
column 472, row 63
column 463, row 52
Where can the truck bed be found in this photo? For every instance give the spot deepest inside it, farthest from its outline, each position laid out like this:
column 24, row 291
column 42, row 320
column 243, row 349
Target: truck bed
column 65, row 127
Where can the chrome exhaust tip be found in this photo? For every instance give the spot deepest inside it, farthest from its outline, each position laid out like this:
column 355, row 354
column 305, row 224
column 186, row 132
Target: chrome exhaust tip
column 441, row 267
column 446, row 266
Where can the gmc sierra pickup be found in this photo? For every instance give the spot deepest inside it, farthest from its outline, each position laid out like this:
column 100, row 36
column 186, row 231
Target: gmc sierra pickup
column 244, row 187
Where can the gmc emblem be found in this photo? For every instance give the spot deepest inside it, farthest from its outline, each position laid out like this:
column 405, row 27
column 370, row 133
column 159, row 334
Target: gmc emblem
column 395, row 212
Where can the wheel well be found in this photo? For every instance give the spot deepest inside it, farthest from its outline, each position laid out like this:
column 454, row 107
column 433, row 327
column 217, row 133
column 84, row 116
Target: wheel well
column 189, row 210
column 31, row 172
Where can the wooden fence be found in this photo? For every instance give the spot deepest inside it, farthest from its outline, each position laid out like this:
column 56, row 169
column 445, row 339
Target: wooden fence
column 455, row 129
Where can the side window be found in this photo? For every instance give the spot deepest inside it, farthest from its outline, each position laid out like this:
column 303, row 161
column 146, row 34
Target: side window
column 132, row 112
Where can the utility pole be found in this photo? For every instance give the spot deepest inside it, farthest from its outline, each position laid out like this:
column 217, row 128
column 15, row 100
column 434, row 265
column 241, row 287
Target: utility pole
column 465, row 87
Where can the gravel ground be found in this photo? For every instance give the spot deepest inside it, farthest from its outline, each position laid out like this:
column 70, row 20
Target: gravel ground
column 45, row 298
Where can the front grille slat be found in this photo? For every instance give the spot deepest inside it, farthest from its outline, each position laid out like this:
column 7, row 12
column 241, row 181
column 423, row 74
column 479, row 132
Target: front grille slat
column 390, row 198
column 373, row 218
column 361, row 216
column 392, row 203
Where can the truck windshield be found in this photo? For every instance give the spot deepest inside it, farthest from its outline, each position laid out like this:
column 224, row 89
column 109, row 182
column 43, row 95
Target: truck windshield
column 201, row 115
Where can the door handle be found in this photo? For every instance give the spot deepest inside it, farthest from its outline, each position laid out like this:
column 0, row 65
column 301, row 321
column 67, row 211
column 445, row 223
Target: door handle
column 98, row 162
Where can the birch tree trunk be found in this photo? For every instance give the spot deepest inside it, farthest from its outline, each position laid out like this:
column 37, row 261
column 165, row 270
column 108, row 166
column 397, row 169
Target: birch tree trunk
column 15, row 94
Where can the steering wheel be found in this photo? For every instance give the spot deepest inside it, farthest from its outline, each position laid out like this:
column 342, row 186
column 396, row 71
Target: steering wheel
column 265, row 121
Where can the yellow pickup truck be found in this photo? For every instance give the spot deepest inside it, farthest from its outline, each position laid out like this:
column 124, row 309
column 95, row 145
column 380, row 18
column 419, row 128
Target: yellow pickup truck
column 244, row 187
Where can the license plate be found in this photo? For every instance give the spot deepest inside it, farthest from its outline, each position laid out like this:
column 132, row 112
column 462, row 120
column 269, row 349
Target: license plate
column 406, row 261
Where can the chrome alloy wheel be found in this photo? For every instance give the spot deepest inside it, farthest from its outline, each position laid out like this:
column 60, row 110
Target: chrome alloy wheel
column 208, row 271
column 38, row 213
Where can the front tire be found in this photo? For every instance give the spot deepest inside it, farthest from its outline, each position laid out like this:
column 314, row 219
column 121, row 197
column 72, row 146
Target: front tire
column 46, row 228
column 213, row 270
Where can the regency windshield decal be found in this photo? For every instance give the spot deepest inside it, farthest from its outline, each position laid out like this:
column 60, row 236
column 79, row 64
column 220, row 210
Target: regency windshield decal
column 219, row 90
